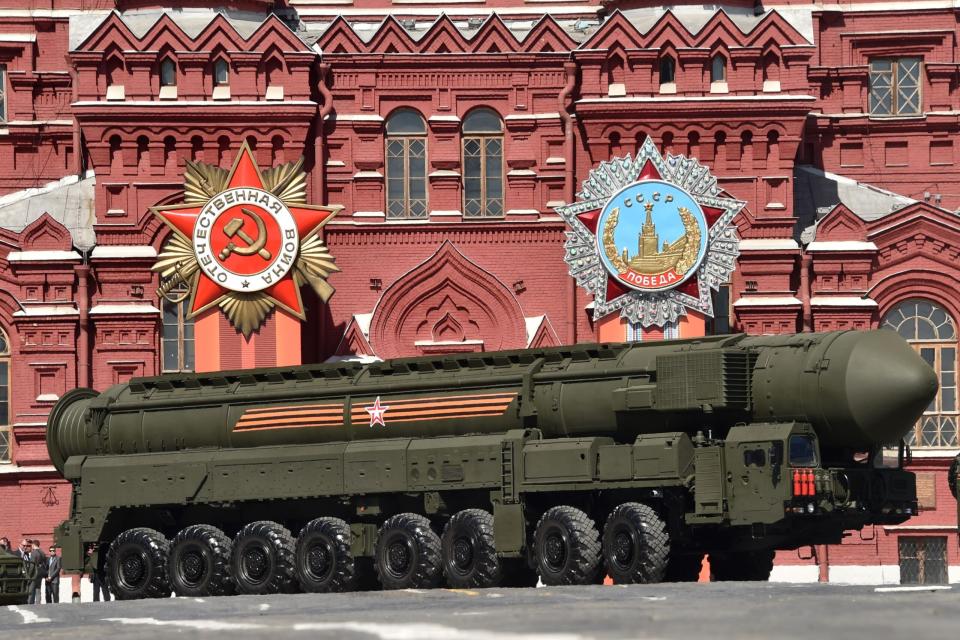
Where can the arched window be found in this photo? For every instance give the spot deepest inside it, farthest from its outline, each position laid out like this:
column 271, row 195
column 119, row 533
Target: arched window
column 406, row 165
column 168, row 73
column 718, row 68
column 177, row 351
column 4, row 398
column 221, row 73
column 668, row 70
column 932, row 332
column 771, row 72
column 482, row 163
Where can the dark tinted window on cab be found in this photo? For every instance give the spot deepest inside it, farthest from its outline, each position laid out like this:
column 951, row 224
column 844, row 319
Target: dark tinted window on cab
column 803, row 451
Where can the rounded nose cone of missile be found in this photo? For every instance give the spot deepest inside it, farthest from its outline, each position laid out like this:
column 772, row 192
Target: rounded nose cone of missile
column 888, row 386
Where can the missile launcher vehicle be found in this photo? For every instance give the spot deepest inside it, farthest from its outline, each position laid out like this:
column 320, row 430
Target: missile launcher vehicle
column 484, row 469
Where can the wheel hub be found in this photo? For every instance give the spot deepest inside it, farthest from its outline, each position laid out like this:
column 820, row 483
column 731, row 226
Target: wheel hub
column 192, row 566
column 255, row 563
column 623, row 548
column 398, row 557
column 555, row 550
column 132, row 569
column 462, row 553
column 318, row 560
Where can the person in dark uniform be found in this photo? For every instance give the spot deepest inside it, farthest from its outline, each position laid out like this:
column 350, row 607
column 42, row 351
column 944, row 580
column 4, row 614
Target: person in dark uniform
column 99, row 579
column 4, row 544
column 40, row 560
column 53, row 576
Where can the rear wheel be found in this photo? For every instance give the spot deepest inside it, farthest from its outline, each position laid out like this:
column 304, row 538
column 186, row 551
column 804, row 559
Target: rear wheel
column 200, row 562
column 324, row 559
column 566, row 546
column 262, row 559
column 137, row 565
column 636, row 546
column 469, row 553
column 751, row 566
column 408, row 553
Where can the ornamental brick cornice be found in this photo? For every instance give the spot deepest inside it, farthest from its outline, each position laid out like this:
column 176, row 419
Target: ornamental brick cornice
column 192, row 58
column 140, row 58
column 858, row 72
column 245, row 58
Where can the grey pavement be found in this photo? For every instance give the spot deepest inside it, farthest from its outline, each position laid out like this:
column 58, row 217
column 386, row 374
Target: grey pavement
column 682, row 611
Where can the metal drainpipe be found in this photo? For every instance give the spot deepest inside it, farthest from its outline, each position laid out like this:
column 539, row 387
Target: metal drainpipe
column 805, row 262
column 569, row 174
column 325, row 108
column 84, row 378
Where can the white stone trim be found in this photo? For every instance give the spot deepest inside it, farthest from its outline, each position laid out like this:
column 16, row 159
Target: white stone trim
column 445, row 343
column 709, row 98
column 357, row 117
column 521, row 172
column 440, row 213
column 369, row 214
column 865, row 574
column 768, row 244
column 842, row 301
column 442, row 118
column 10, row 467
column 841, row 245
column 123, row 309
column 533, row 116
column 47, row 397
column 123, row 251
column 41, row 310
column 42, row 256
column 803, row 573
column 523, row 212
column 368, row 174
column 767, row 301
column 33, row 123
column 444, row 173
column 535, row 11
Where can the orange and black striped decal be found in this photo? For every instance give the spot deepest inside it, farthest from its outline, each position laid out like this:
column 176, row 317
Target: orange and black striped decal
column 390, row 410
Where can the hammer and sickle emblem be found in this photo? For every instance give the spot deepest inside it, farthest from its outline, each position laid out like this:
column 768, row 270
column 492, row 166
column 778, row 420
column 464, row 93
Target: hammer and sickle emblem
column 234, row 228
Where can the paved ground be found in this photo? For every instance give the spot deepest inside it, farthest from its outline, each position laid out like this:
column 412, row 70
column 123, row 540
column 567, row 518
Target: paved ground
column 728, row 610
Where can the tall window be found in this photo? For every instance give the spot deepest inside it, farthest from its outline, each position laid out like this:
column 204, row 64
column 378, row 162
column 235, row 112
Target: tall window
column 931, row 331
column 3, row 93
column 718, row 68
column 4, row 398
column 668, row 70
column 168, row 73
column 221, row 73
column 635, row 331
column 406, row 165
column 482, row 164
column 177, row 338
column 895, row 87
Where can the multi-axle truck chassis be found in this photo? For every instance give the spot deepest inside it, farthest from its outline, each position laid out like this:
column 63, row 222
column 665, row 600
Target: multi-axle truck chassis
column 477, row 470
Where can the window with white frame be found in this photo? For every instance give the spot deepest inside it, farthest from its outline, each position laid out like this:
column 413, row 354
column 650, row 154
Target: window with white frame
column 895, row 86
column 931, row 331
column 5, row 418
column 406, row 165
column 177, row 352
column 482, row 164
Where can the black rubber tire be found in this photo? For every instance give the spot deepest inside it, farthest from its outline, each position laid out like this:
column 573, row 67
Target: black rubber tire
column 952, row 476
column 408, row 553
column 262, row 559
column 136, row 565
column 323, row 557
column 468, row 550
column 199, row 562
column 566, row 547
column 684, row 568
column 748, row 566
column 636, row 545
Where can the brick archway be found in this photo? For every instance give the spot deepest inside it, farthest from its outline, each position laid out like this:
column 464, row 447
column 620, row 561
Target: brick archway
column 446, row 304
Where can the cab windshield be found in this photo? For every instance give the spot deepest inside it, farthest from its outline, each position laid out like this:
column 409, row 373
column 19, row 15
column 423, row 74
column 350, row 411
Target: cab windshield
column 803, row 451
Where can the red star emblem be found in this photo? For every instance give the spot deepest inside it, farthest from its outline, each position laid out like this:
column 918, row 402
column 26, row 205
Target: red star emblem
column 376, row 411
column 245, row 241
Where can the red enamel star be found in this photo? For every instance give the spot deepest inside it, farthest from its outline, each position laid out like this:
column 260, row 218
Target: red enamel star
column 377, row 411
column 241, row 242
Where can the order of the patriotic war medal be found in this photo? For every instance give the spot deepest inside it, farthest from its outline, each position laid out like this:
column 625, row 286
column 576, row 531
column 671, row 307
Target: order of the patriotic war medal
column 650, row 237
column 245, row 241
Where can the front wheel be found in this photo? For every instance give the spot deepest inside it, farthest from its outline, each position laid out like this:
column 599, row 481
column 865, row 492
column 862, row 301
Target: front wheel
column 636, row 546
column 137, row 565
column 566, row 546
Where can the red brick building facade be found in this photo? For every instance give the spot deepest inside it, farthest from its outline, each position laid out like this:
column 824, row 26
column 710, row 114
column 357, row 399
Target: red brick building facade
column 448, row 130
